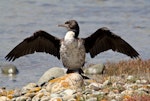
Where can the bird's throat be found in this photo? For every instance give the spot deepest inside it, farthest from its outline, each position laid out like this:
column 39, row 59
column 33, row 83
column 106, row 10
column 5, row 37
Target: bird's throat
column 70, row 35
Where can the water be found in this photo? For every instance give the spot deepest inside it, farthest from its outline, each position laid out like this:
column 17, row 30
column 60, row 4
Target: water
column 20, row 18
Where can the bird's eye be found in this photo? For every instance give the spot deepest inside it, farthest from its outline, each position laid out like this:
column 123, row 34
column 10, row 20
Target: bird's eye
column 67, row 22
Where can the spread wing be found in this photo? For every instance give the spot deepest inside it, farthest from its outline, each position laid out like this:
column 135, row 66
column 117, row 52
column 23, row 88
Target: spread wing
column 40, row 41
column 103, row 39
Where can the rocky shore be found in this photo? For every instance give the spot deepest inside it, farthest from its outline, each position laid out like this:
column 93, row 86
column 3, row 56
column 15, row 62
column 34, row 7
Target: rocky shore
column 72, row 87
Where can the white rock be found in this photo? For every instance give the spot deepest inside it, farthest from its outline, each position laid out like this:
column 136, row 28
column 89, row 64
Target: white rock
column 69, row 92
column 54, row 95
column 95, row 86
column 138, row 81
column 36, row 98
column 97, row 93
column 107, row 82
column 127, row 92
column 131, row 78
column 143, row 81
column 92, row 99
column 4, row 98
column 130, row 86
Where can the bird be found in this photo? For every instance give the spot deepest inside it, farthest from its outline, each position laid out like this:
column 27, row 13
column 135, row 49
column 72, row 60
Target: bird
column 71, row 49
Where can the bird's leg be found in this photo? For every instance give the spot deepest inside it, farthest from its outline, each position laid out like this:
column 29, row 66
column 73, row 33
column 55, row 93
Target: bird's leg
column 80, row 71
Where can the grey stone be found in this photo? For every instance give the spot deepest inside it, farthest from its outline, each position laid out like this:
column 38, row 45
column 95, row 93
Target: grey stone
column 95, row 69
column 51, row 74
column 9, row 69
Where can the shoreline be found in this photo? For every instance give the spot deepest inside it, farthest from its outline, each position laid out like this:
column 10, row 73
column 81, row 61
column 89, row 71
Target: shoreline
column 117, row 83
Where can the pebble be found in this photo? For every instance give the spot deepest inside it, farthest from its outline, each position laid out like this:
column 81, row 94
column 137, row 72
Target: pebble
column 131, row 78
column 141, row 81
column 55, row 99
column 144, row 81
column 95, row 86
column 138, row 81
column 69, row 92
column 55, row 95
column 92, row 99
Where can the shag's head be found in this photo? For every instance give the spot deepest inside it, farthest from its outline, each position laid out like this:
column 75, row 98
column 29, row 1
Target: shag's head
column 71, row 25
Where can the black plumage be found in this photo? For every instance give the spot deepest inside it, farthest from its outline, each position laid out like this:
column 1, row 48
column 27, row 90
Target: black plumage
column 103, row 39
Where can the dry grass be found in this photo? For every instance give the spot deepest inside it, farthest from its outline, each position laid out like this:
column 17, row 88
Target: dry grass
column 138, row 98
column 136, row 67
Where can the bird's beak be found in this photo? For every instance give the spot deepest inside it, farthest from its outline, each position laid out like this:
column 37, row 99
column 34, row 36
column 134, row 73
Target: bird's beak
column 63, row 25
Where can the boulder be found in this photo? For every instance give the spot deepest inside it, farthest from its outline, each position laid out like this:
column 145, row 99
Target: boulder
column 69, row 81
column 9, row 69
column 51, row 74
column 95, row 69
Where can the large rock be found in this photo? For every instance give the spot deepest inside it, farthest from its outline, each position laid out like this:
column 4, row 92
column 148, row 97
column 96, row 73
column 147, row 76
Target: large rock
column 69, row 81
column 9, row 69
column 51, row 74
column 95, row 69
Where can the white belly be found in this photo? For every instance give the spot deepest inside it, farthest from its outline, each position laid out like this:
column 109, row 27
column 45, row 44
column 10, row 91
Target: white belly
column 72, row 53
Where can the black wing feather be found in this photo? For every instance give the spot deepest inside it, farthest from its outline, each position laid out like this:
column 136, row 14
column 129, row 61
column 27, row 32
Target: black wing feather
column 103, row 39
column 41, row 41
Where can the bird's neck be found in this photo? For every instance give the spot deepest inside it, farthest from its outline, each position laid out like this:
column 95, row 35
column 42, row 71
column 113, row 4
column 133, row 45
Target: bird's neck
column 76, row 31
column 70, row 35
